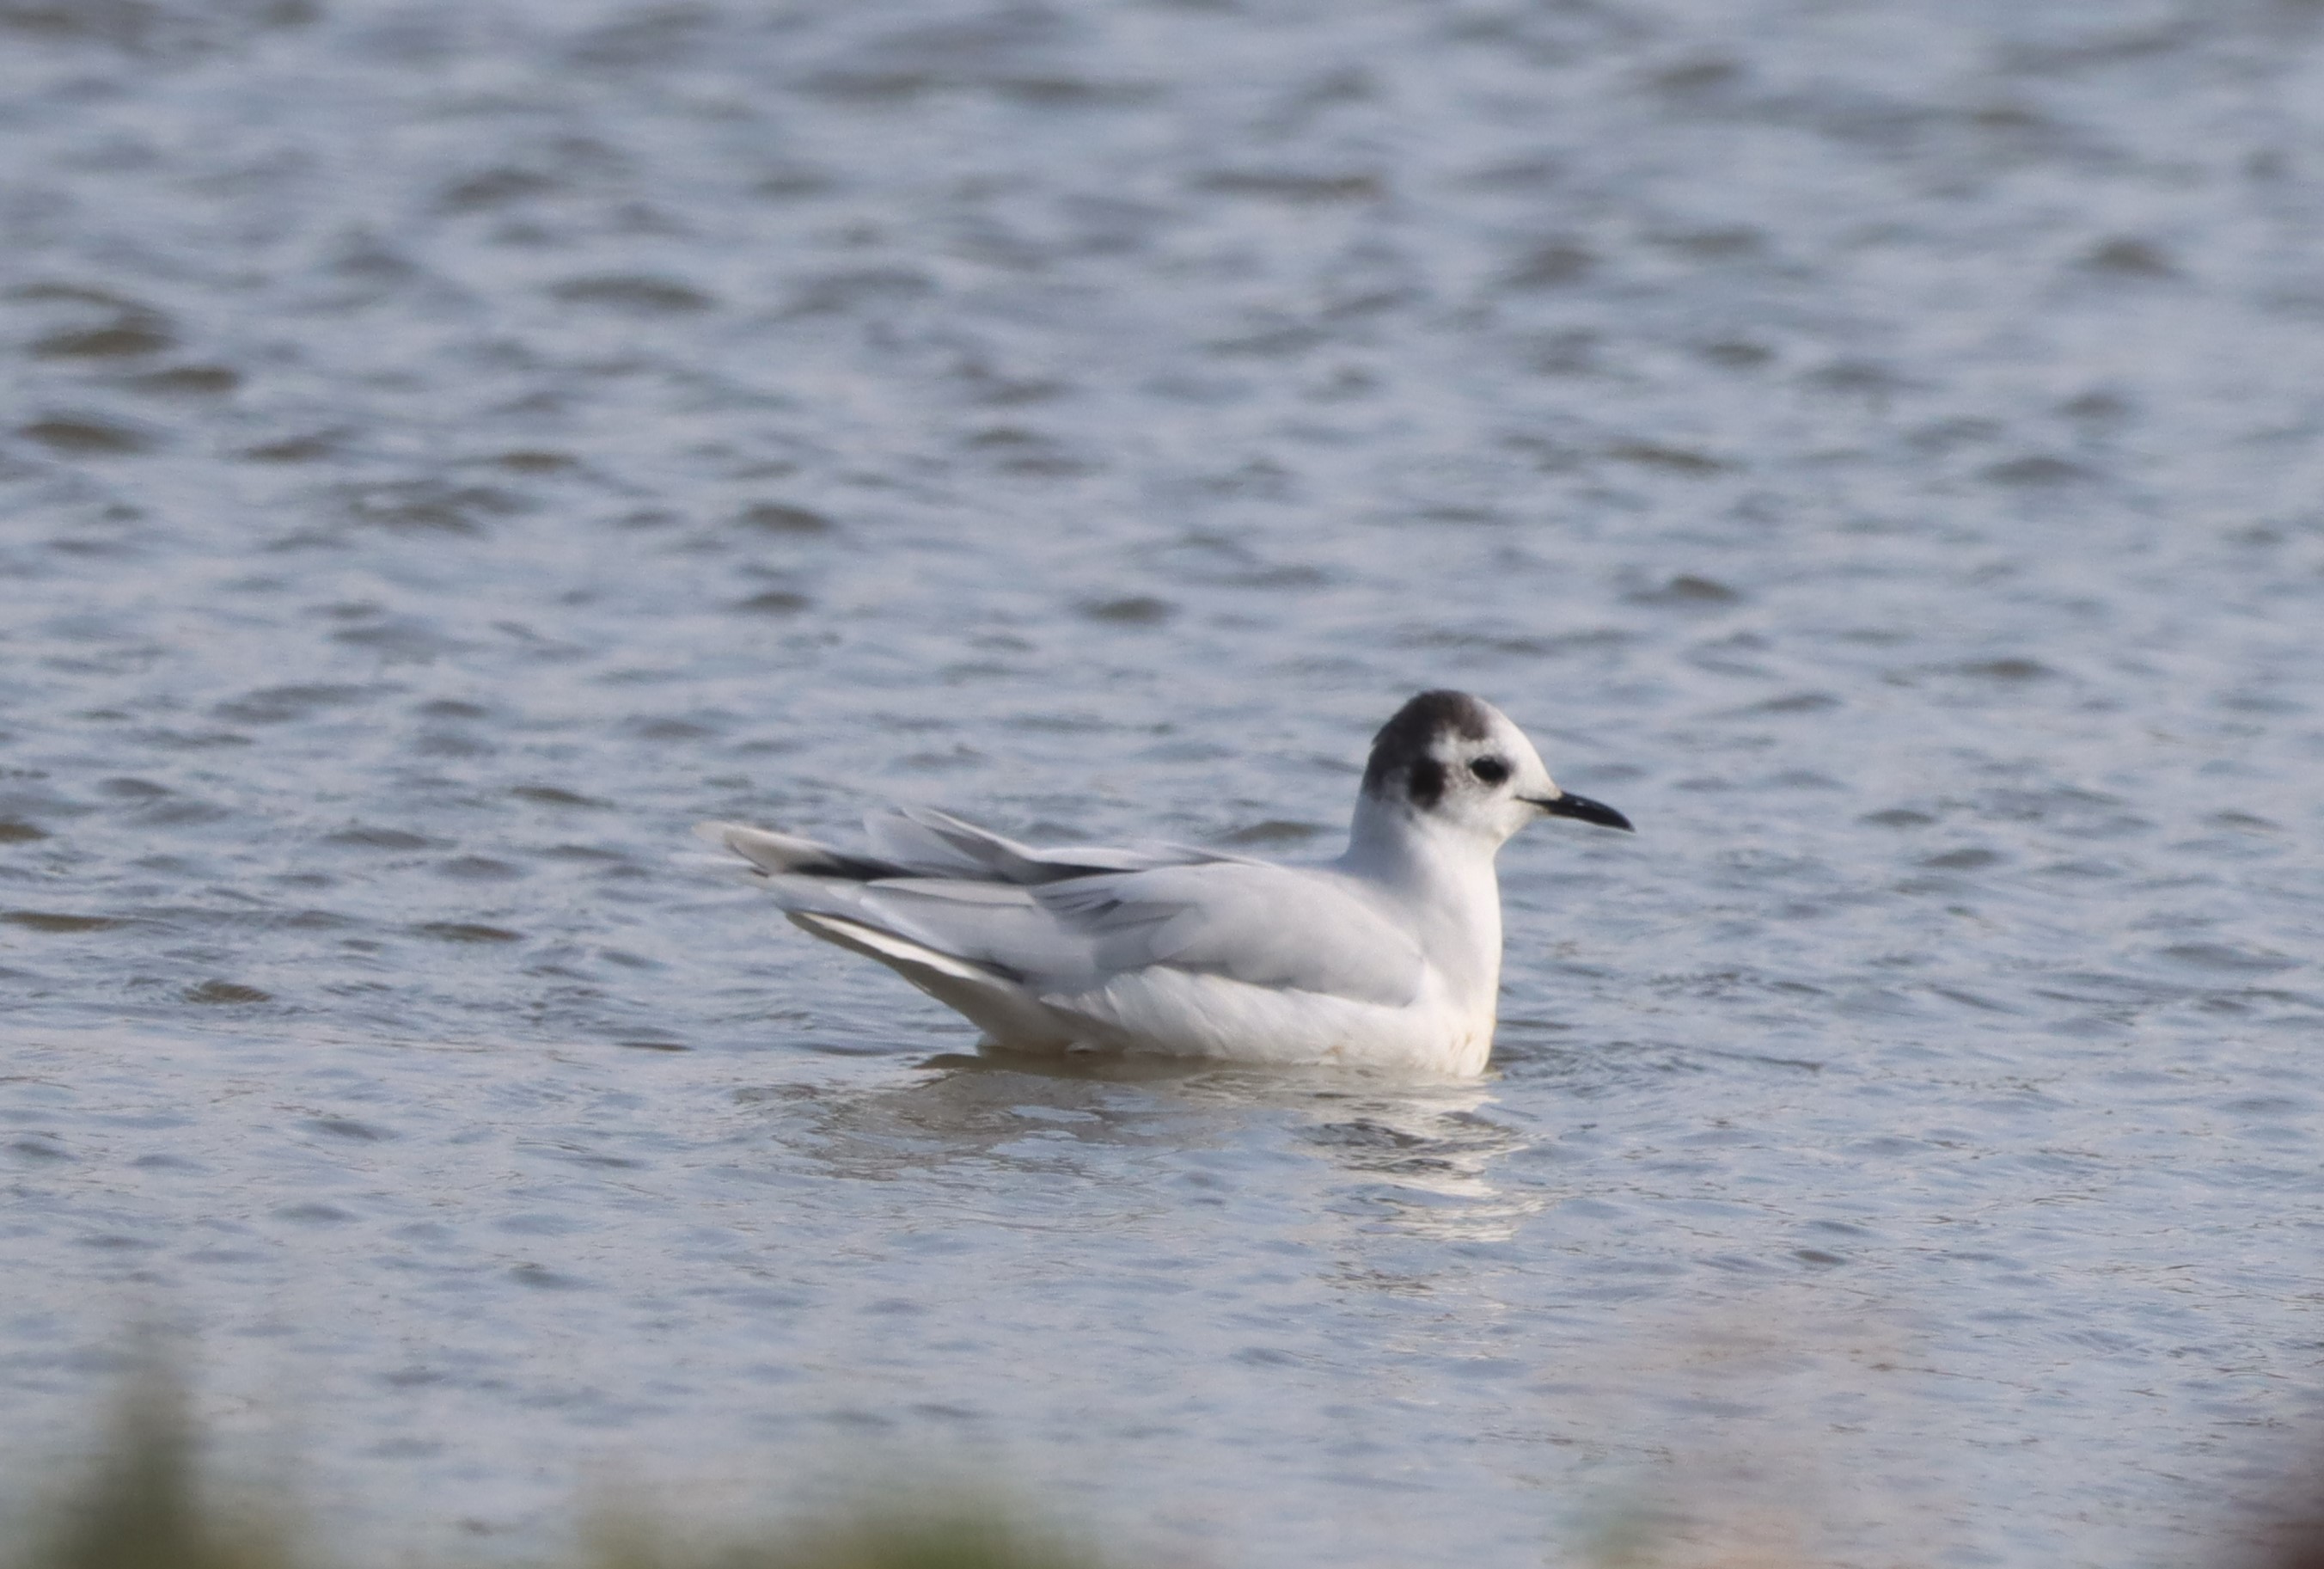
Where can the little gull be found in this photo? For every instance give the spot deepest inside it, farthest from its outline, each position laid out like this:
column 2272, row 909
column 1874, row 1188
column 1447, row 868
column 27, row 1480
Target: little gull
column 1388, row 956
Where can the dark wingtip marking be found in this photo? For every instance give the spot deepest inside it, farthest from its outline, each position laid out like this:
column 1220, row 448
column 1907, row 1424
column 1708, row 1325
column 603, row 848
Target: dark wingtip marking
column 850, row 868
column 1402, row 745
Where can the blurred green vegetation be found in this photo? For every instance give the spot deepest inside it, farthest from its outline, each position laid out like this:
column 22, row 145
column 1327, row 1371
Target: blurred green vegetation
column 965, row 1536
column 142, row 1503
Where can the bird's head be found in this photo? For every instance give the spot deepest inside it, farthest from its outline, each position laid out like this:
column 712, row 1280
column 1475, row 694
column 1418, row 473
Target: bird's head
column 1456, row 762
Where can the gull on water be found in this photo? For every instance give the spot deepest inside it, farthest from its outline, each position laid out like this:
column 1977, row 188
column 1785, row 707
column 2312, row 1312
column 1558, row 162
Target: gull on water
column 1388, row 956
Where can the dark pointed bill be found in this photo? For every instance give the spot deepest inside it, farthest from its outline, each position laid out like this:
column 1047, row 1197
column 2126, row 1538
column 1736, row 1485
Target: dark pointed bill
column 1569, row 805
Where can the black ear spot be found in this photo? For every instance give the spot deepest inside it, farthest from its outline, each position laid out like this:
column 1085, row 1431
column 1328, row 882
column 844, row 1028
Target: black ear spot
column 1414, row 732
column 1492, row 771
column 1428, row 782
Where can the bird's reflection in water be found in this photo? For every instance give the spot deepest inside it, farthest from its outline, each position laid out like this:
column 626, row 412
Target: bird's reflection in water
column 1412, row 1157
column 1423, row 1161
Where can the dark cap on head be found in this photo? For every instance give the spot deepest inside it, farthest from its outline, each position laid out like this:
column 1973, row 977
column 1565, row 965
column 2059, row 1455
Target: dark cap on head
column 1401, row 749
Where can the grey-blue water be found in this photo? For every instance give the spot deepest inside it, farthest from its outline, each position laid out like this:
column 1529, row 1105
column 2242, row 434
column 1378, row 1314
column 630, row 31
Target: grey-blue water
column 447, row 448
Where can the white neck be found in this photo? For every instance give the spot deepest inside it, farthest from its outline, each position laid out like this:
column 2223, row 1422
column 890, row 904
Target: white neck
column 1444, row 876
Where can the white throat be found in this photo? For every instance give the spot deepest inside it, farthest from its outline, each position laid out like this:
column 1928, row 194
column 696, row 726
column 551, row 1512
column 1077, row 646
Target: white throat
column 1440, row 879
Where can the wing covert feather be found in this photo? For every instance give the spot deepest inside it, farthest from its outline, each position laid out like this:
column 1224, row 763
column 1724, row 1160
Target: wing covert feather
column 1232, row 919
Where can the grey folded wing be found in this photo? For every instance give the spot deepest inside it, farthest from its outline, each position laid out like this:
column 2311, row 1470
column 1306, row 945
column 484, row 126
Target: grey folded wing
column 1277, row 927
column 1060, row 922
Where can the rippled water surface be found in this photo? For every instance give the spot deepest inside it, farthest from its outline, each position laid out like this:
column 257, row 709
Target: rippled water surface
column 446, row 449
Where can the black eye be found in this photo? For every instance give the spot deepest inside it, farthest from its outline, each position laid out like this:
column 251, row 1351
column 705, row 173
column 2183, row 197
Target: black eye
column 1492, row 770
